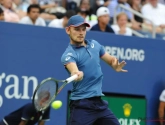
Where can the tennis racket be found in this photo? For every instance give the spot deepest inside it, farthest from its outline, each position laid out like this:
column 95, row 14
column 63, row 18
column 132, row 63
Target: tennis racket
column 47, row 90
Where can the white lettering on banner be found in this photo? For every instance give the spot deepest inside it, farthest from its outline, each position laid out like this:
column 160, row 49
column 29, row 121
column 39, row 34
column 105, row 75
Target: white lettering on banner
column 14, row 86
column 12, row 90
column 126, row 54
column 1, row 77
column 26, row 85
column 129, row 121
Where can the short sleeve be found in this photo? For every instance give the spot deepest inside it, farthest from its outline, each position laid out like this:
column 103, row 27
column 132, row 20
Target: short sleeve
column 162, row 96
column 27, row 112
column 46, row 115
column 102, row 50
column 68, row 57
column 100, row 47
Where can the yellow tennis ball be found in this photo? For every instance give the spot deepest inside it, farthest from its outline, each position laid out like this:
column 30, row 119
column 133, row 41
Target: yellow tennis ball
column 56, row 104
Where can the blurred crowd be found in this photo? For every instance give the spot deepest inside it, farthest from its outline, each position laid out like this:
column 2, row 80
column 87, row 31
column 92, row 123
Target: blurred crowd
column 102, row 15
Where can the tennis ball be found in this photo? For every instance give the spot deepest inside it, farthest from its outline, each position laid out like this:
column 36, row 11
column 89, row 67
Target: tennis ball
column 56, row 104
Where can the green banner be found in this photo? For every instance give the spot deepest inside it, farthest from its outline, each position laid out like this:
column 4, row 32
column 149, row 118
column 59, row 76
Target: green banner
column 128, row 110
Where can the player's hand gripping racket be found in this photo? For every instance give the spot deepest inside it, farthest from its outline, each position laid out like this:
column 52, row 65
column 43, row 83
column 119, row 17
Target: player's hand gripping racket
column 47, row 90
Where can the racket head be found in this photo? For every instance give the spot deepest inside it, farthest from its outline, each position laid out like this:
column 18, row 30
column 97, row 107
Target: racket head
column 45, row 93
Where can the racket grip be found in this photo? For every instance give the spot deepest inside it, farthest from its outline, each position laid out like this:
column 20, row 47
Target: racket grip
column 70, row 79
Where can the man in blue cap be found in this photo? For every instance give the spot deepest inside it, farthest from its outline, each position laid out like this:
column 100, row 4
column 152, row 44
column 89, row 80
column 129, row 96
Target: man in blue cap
column 82, row 57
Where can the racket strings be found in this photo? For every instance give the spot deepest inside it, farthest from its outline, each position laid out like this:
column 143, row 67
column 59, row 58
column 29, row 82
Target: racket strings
column 45, row 94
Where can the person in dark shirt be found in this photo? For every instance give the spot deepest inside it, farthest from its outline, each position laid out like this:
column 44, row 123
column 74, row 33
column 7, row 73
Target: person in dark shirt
column 103, row 21
column 27, row 114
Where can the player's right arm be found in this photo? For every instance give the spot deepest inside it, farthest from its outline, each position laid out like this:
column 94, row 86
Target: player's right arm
column 73, row 69
column 69, row 60
column 23, row 122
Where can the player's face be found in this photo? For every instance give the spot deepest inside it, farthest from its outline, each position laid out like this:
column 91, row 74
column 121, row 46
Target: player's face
column 34, row 13
column 77, row 34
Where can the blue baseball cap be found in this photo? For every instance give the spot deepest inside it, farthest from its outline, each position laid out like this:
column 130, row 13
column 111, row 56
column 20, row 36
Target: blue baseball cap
column 76, row 21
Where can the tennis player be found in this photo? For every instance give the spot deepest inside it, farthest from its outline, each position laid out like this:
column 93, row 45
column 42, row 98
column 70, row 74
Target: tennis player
column 27, row 114
column 82, row 57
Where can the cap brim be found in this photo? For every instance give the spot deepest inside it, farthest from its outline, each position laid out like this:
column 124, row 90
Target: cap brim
column 79, row 24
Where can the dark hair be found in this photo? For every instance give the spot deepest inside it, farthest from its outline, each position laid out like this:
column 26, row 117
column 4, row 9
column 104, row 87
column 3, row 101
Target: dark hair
column 83, row 1
column 1, row 11
column 70, row 13
column 78, row 10
column 33, row 6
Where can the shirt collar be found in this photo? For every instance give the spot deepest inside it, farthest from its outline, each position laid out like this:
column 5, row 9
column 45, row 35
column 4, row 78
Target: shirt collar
column 74, row 46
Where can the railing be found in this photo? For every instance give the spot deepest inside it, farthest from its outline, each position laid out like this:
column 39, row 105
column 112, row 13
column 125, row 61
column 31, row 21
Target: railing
column 138, row 14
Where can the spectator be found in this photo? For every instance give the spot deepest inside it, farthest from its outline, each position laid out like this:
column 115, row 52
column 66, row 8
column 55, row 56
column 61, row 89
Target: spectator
column 103, row 21
column 161, row 110
column 136, row 5
column 32, row 17
column 61, row 23
column 82, row 13
column 155, row 12
column 71, row 4
column 90, row 17
column 26, row 115
column 121, row 26
column 17, row 6
column 100, row 3
column 45, row 4
column 112, row 6
column 9, row 14
column 57, row 10
column 1, row 15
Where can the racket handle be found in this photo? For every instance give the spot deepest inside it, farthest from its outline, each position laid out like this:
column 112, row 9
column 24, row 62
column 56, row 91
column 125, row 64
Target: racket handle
column 70, row 79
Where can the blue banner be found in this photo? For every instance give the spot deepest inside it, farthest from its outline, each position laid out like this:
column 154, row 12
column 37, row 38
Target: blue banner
column 28, row 54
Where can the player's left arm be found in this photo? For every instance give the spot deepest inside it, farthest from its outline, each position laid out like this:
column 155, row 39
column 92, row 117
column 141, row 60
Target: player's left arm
column 113, row 62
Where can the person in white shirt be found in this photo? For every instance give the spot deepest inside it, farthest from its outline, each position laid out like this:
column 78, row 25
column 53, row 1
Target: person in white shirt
column 32, row 18
column 121, row 26
column 61, row 23
column 161, row 109
column 155, row 12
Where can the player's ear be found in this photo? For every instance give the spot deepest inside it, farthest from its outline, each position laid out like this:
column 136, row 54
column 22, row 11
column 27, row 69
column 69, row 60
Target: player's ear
column 67, row 29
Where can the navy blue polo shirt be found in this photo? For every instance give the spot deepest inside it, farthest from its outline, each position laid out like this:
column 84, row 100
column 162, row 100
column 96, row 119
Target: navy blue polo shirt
column 87, row 60
column 97, row 28
column 26, row 112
